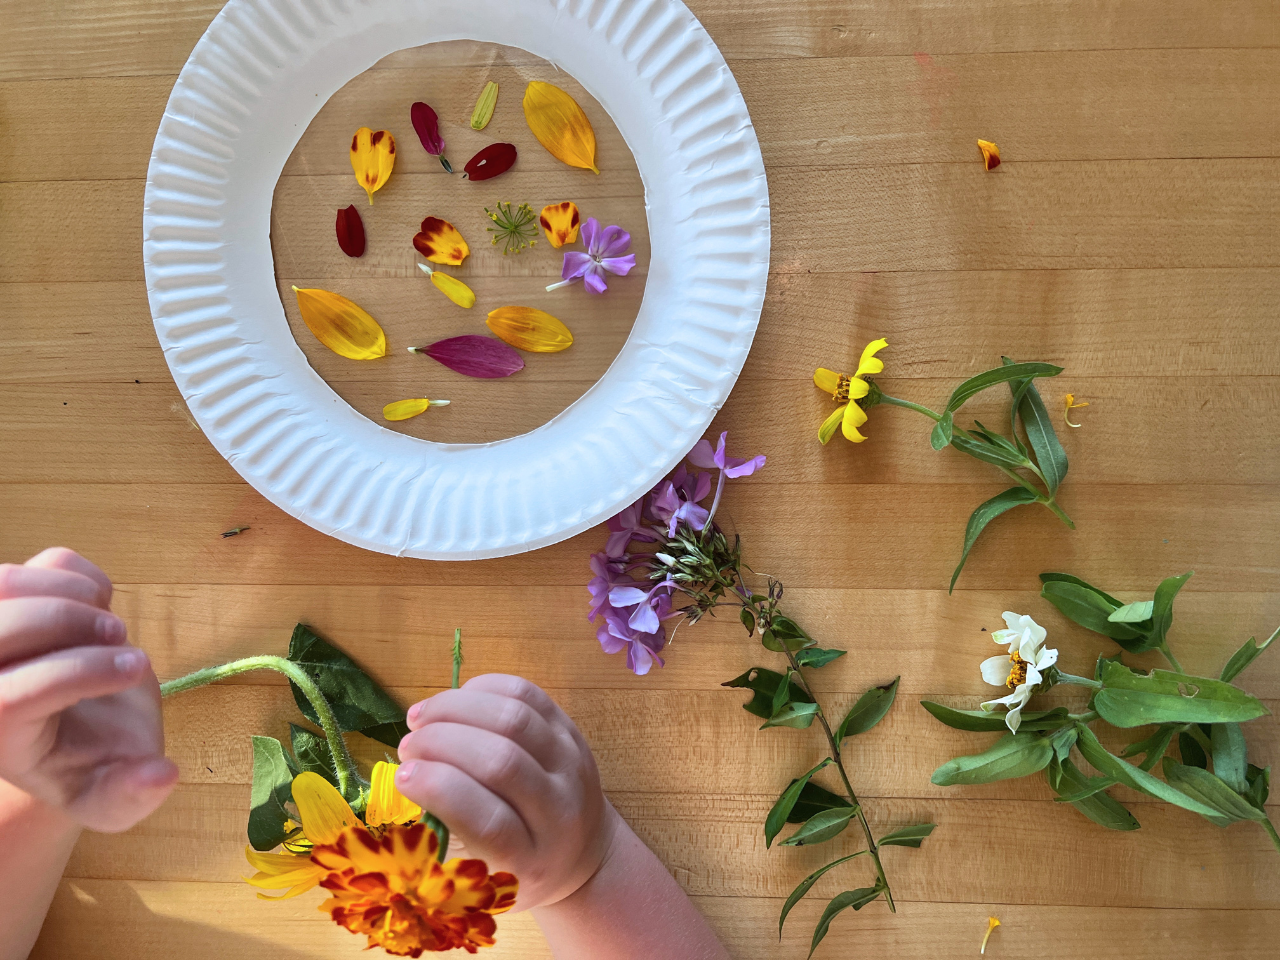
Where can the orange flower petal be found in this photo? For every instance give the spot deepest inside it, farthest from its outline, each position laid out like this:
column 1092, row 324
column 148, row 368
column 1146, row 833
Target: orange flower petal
column 373, row 154
column 530, row 329
column 990, row 154
column 341, row 325
column 560, row 125
column 440, row 242
column 560, row 222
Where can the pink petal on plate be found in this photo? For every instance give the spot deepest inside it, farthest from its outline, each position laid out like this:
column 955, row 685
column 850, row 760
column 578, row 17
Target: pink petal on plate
column 474, row 356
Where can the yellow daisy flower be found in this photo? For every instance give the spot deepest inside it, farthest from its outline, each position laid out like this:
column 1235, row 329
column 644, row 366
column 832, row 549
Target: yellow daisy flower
column 847, row 390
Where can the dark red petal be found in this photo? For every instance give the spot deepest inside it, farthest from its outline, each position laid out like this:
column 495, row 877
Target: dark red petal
column 350, row 231
column 492, row 160
column 427, row 124
column 475, row 356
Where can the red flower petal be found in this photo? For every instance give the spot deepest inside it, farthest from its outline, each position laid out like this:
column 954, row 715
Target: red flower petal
column 474, row 356
column 350, row 231
column 492, row 160
column 427, row 124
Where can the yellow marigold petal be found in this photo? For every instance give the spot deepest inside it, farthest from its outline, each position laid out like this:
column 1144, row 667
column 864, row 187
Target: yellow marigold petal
column 828, row 428
column 870, row 364
column 992, row 923
column 294, row 891
column 405, row 410
column 858, row 389
column 854, row 417
column 454, row 289
column 560, row 222
column 386, row 803
column 341, row 325
column 505, row 886
column 373, row 154
column 560, row 125
column 324, row 812
column 990, row 154
column 826, row 380
column 440, row 242
column 483, row 112
column 530, row 329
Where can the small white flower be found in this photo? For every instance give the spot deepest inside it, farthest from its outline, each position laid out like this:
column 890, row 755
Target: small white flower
column 1022, row 668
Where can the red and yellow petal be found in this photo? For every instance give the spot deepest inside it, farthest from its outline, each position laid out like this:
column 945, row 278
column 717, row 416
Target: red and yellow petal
column 373, row 154
column 440, row 242
column 560, row 222
column 990, row 154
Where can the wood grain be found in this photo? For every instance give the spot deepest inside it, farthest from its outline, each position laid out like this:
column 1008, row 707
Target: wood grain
column 1129, row 237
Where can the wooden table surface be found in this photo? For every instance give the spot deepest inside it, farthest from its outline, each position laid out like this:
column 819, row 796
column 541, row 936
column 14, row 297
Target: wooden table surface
column 1130, row 236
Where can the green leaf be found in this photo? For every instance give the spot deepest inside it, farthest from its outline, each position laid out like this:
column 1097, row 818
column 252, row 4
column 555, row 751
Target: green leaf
column 868, row 711
column 763, row 684
column 1131, row 776
column 272, row 789
column 984, row 721
column 780, row 698
column 989, row 452
column 748, row 619
column 1044, row 439
column 1259, row 779
column 1139, row 612
column 821, row 827
column 1162, row 606
column 796, row 714
column 1091, row 609
column 1129, row 699
column 1211, row 791
column 1012, row 756
column 857, row 899
column 1245, row 656
column 1229, row 755
column 1062, row 740
column 782, row 806
column 785, row 630
column 1102, row 809
column 1068, row 578
column 998, row 375
column 908, row 836
column 814, row 799
column 357, row 702
column 312, row 753
column 942, row 431
column 803, row 886
column 817, row 657
column 1191, row 752
column 1153, row 747
column 984, row 514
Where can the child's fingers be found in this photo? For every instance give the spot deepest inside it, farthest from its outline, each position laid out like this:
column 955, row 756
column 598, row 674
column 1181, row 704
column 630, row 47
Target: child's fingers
column 46, row 685
column 499, row 764
column 505, row 716
column 30, row 626
column 23, row 581
column 485, row 821
column 60, row 558
column 518, row 688
column 124, row 793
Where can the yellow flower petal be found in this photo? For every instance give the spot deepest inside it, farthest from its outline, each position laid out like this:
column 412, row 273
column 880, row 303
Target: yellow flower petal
column 870, row 363
column 530, row 329
column 440, row 242
column 373, row 154
column 828, row 428
column 324, row 812
column 404, row 409
column 483, row 112
column 854, row 417
column 858, row 389
column 454, row 289
column 826, row 380
column 560, row 222
column 992, row 923
column 990, row 154
column 1069, row 404
column 341, row 325
column 560, row 125
column 386, row 803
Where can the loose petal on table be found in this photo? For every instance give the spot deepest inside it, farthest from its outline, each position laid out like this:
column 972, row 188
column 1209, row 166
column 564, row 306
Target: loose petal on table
column 530, row 329
column 474, row 356
column 560, row 125
column 373, row 154
column 350, row 229
column 341, row 325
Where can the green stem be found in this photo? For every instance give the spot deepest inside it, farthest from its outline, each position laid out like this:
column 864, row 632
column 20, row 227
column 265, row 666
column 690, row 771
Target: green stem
column 1082, row 681
column 1087, row 717
column 348, row 780
column 1271, row 832
column 1199, row 737
column 1052, row 504
column 457, row 655
column 895, row 402
column 1173, row 662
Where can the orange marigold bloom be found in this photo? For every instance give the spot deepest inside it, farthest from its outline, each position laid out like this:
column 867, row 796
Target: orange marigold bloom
column 391, row 888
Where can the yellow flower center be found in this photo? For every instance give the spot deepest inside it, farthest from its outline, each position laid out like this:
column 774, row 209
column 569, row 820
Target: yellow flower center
column 1017, row 671
column 841, row 394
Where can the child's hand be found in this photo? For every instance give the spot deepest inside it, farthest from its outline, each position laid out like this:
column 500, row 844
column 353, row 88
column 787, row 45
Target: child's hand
column 510, row 774
column 80, row 725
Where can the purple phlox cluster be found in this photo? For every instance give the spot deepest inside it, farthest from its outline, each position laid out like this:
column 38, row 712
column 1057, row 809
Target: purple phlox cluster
column 677, row 499
column 605, row 253
column 613, row 591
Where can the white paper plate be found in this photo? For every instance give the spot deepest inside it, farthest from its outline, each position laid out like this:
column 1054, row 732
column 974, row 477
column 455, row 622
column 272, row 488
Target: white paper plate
column 252, row 85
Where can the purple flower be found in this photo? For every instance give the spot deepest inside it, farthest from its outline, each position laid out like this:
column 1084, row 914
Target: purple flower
column 605, row 249
column 651, row 606
column 625, row 527
column 642, row 648
column 608, row 574
column 702, row 456
column 677, row 499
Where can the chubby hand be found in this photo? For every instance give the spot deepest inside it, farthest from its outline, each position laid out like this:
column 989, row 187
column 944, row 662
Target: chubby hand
column 80, row 724
column 514, row 780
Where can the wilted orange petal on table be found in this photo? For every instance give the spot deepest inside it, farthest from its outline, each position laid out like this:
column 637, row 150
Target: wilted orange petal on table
column 440, row 242
column 560, row 222
column 530, row 329
column 341, row 325
column 372, row 157
column 990, row 154
column 560, row 125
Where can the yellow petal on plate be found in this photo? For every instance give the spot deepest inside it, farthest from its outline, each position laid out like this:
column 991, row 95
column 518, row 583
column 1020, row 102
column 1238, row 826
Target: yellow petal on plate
column 405, row 409
column 386, row 803
column 530, row 329
column 324, row 813
column 483, row 112
column 440, row 242
column 560, row 222
column 341, row 325
column 373, row 154
column 560, row 125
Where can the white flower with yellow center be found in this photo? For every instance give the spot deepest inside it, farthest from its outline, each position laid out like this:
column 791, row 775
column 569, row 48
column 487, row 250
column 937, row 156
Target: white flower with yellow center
column 1022, row 668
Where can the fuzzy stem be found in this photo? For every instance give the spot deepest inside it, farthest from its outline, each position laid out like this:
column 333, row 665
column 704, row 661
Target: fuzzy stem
column 348, row 780
column 1173, row 661
column 895, row 402
column 1271, row 831
column 457, row 655
column 1082, row 681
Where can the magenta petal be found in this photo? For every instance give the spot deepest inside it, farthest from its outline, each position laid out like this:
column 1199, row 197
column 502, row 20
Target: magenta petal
column 614, row 242
column 702, row 456
column 475, row 356
column 576, row 263
column 593, row 279
column 427, row 124
column 737, row 467
column 590, row 231
column 619, row 265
